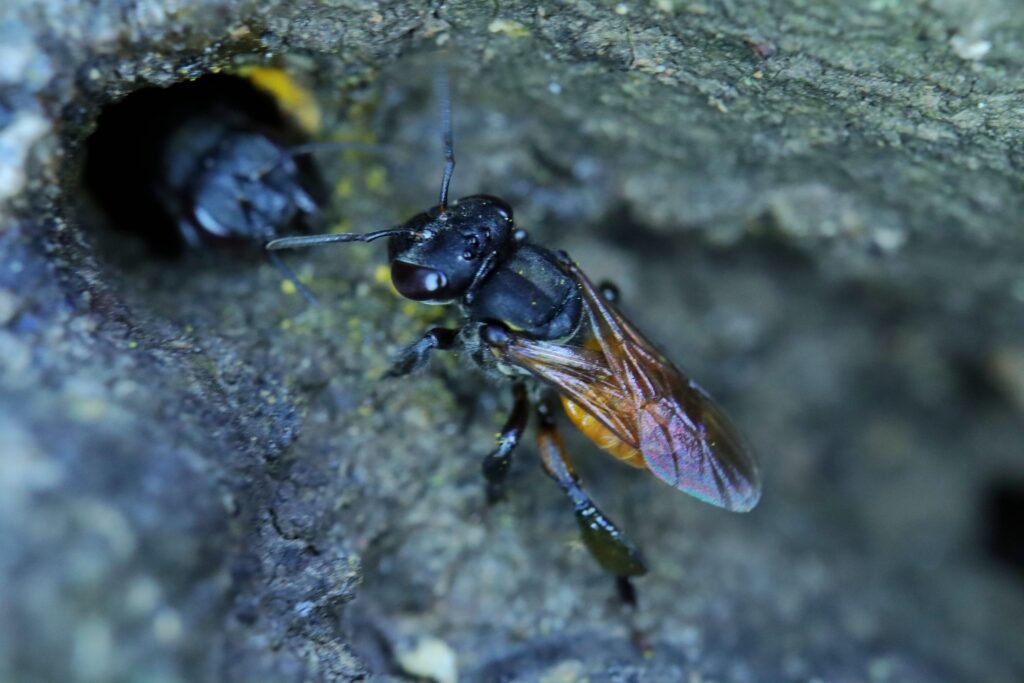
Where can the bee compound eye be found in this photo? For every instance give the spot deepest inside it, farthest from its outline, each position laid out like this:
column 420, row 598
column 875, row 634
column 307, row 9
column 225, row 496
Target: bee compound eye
column 503, row 208
column 418, row 283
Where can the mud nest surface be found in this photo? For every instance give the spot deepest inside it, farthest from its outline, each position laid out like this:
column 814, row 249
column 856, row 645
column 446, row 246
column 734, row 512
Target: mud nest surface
column 814, row 207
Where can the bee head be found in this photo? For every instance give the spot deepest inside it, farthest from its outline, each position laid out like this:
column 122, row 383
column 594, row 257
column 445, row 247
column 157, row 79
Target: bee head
column 249, row 186
column 441, row 253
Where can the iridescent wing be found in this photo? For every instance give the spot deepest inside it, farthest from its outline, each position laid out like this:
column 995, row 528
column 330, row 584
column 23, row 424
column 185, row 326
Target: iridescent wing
column 620, row 379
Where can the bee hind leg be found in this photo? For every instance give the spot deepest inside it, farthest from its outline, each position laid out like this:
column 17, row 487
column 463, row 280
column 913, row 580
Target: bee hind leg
column 612, row 550
column 495, row 466
column 415, row 356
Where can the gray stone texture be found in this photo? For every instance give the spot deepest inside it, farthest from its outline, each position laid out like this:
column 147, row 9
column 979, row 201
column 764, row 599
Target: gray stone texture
column 814, row 206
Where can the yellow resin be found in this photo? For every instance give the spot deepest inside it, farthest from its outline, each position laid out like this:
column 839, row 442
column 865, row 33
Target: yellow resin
column 291, row 97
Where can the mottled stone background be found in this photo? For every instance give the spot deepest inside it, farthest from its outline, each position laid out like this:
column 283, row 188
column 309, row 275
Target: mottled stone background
column 816, row 207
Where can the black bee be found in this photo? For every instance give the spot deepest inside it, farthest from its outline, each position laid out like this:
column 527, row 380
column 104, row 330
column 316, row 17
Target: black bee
column 530, row 316
column 214, row 162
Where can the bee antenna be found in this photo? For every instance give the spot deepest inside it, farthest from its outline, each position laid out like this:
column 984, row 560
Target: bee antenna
column 444, row 98
column 318, row 145
column 305, row 148
column 316, row 240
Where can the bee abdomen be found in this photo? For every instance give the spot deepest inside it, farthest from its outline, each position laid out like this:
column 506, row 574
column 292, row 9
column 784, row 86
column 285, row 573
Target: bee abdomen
column 601, row 435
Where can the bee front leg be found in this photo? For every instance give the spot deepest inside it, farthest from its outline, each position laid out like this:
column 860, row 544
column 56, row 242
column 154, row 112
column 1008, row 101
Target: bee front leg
column 290, row 275
column 415, row 356
column 496, row 464
column 606, row 543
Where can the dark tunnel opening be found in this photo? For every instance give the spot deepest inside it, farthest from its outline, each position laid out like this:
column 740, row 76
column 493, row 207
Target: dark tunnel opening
column 208, row 162
column 1004, row 524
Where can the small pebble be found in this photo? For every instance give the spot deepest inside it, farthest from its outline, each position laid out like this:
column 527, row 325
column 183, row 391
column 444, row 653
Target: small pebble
column 429, row 658
column 9, row 305
column 968, row 48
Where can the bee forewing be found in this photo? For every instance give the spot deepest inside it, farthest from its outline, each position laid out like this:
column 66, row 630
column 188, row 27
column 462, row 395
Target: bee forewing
column 640, row 396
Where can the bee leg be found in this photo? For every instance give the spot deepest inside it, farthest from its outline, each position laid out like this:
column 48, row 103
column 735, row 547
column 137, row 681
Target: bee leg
column 610, row 291
column 190, row 234
column 497, row 462
column 610, row 548
column 290, row 275
column 415, row 356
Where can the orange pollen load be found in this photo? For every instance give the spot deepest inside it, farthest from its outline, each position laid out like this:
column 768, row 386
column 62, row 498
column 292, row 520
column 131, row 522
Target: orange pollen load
column 601, row 435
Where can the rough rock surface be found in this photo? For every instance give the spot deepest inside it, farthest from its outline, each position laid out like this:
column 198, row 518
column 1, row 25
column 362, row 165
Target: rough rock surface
column 814, row 206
